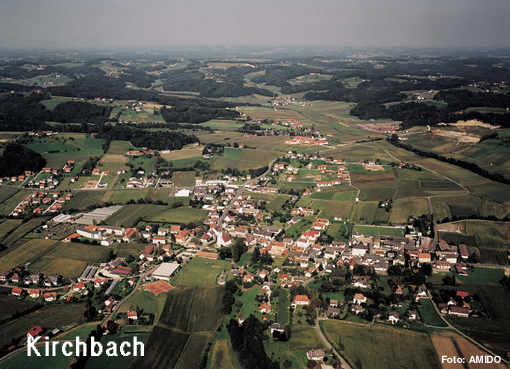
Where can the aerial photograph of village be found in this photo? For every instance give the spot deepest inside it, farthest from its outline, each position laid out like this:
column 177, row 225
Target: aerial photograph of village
column 224, row 185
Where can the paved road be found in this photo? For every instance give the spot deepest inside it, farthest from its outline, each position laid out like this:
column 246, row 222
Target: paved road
column 344, row 363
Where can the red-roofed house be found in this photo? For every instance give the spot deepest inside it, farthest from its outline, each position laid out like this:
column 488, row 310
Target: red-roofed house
column 265, row 308
column 34, row 332
column 300, row 300
column 50, row 296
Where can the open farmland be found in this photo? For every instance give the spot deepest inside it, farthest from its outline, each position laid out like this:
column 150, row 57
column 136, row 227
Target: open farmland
column 379, row 231
column 428, row 314
column 49, row 317
column 22, row 230
column 454, row 345
column 363, row 212
column 11, row 305
column 162, row 349
column 403, row 209
column 184, row 179
column 122, row 250
column 303, row 337
column 11, row 198
column 118, row 362
column 185, row 153
column 22, row 360
column 68, row 268
column 359, row 343
column 78, row 251
column 179, row 215
column 129, row 214
column 8, row 226
column 83, row 199
column 177, row 306
column 342, row 208
column 206, row 312
column 194, row 351
column 223, row 356
column 30, row 251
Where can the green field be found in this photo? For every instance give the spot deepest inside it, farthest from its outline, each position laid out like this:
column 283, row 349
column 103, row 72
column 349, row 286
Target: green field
column 51, row 265
column 342, row 208
column 162, row 349
column 194, row 351
column 48, row 317
column 205, row 314
column 403, row 209
column 10, row 305
column 283, row 304
column 428, row 314
column 129, row 214
column 32, row 250
column 79, row 251
column 396, row 348
column 122, row 250
column 223, row 356
column 7, row 226
column 83, row 199
column 177, row 306
column 482, row 276
column 304, row 337
column 200, row 271
column 363, row 212
column 379, row 231
column 11, row 197
column 22, row 360
column 146, row 301
column 184, row 179
column 179, row 215
column 232, row 153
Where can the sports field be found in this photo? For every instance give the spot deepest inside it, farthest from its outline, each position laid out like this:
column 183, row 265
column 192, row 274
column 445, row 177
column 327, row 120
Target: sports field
column 201, row 272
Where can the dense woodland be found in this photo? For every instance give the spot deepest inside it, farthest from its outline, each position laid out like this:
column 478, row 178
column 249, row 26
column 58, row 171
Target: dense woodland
column 17, row 159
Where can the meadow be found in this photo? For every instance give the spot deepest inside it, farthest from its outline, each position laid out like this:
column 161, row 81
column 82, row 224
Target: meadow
column 11, row 305
column 30, row 251
column 179, row 215
column 122, row 250
column 177, row 307
column 67, row 268
column 403, row 209
column 83, row 199
column 304, row 337
column 6, row 227
column 223, row 356
column 200, row 272
column 283, row 304
column 184, row 179
column 428, row 314
column 381, row 346
column 379, row 231
column 22, row 230
column 78, row 251
column 129, row 214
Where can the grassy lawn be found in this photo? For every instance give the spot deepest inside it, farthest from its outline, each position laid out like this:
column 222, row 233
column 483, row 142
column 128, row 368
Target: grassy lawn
column 379, row 230
column 147, row 302
column 482, row 276
column 283, row 304
column 179, row 215
column 250, row 306
column 359, row 343
column 184, row 179
column 200, row 271
column 428, row 313
column 305, row 337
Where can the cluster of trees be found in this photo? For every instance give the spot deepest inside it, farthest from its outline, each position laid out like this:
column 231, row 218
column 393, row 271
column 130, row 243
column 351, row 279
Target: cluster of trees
column 247, row 341
column 80, row 112
column 16, row 159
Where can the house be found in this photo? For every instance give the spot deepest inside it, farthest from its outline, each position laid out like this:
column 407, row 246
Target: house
column 300, row 300
column 333, row 311
column 131, row 314
column 424, row 257
column 356, row 309
column 459, row 311
column 277, row 327
column 99, row 282
column 361, row 282
column 130, row 234
column 315, row 354
column 182, row 236
column 412, row 314
column 248, row 277
column 359, row 299
column 265, row 308
column 109, row 301
column 50, row 296
column 35, row 293
column 359, row 249
column 333, row 303
column 393, row 318
column 224, row 240
column 79, row 287
column 35, row 331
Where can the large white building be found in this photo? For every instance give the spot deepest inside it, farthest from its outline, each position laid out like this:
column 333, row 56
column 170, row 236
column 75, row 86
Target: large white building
column 166, row 270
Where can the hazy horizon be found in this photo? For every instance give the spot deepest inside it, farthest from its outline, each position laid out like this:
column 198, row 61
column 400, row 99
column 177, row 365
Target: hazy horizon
column 65, row 24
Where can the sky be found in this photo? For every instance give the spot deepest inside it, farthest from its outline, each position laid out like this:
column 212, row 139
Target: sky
column 103, row 24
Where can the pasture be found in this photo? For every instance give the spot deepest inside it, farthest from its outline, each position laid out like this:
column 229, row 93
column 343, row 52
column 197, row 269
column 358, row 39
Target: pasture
column 233, row 153
column 359, row 344
column 147, row 302
column 200, row 272
column 83, row 199
column 79, row 252
column 179, row 215
column 129, row 214
column 303, row 337
column 185, row 153
column 223, row 356
column 184, row 179
column 122, row 250
column 10, row 198
column 342, row 208
column 363, row 212
column 283, row 304
column 22, row 230
column 482, row 276
column 250, row 159
column 379, row 230
column 8, row 226
column 428, row 314
column 68, row 268
column 30, row 251
column 11, row 305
